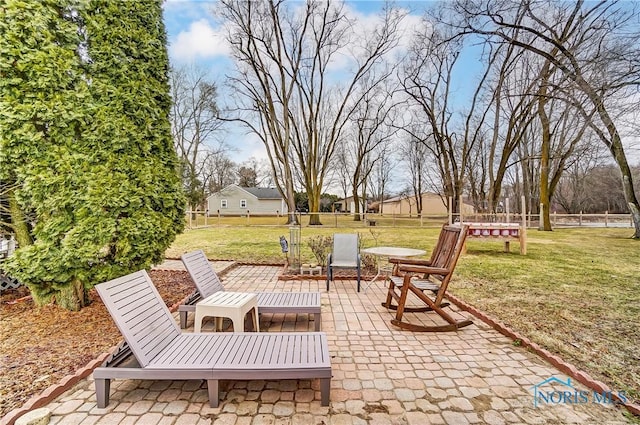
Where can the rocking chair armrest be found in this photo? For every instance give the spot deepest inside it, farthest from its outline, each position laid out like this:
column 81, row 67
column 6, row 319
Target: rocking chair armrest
column 409, row 268
column 413, row 261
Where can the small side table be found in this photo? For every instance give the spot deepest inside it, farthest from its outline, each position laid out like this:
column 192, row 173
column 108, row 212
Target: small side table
column 234, row 305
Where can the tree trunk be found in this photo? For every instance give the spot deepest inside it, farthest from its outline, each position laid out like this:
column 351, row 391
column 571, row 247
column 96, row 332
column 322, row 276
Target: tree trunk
column 627, row 183
column 356, row 205
column 617, row 150
column 73, row 296
column 18, row 221
column 314, row 208
column 291, row 198
column 544, row 151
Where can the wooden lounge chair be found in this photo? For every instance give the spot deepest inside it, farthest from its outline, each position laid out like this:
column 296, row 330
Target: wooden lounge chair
column 345, row 255
column 433, row 275
column 208, row 283
column 160, row 351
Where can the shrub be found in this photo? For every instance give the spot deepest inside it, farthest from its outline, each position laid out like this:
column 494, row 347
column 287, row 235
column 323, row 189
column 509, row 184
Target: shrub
column 320, row 246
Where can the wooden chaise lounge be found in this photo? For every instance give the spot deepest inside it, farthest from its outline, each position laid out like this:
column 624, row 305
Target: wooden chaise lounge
column 208, row 283
column 161, row 351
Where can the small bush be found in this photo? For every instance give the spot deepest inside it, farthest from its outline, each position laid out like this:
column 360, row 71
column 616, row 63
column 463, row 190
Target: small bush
column 369, row 262
column 320, row 246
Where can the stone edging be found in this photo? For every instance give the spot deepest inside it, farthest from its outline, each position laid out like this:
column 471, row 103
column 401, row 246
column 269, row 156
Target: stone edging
column 563, row 366
column 56, row 390
column 285, row 277
column 65, row 384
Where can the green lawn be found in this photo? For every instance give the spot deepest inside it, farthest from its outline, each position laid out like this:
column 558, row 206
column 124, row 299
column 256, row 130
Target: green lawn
column 576, row 292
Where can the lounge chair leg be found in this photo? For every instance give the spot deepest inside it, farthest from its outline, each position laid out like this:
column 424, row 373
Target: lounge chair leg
column 183, row 319
column 213, row 387
column 325, row 391
column 103, row 387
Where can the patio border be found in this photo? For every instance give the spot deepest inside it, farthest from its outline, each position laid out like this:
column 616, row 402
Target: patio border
column 563, row 366
column 65, row 384
column 54, row 391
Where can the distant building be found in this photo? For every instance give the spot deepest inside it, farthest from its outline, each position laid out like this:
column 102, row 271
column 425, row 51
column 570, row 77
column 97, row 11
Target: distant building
column 346, row 205
column 432, row 203
column 237, row 200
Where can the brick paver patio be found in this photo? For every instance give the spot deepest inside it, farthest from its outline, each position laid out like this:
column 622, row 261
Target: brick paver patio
column 381, row 375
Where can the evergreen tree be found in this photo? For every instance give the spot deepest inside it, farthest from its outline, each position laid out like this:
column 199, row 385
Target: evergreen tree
column 88, row 133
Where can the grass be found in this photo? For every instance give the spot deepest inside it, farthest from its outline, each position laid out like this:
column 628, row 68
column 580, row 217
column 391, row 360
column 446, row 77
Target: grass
column 576, row 292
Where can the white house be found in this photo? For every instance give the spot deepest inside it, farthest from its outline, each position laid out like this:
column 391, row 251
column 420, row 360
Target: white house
column 237, row 200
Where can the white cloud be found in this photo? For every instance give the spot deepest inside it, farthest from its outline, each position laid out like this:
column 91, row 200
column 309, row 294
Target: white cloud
column 363, row 25
column 200, row 41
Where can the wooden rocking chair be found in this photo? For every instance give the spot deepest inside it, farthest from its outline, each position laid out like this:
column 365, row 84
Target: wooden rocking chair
column 433, row 275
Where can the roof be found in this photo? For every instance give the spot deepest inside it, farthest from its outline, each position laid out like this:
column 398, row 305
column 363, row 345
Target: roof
column 263, row 192
column 258, row 192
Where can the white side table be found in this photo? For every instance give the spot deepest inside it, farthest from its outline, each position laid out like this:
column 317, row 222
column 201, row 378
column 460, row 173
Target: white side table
column 234, row 305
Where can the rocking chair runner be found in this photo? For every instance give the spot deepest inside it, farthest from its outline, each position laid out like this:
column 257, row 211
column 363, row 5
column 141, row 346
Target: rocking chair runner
column 436, row 274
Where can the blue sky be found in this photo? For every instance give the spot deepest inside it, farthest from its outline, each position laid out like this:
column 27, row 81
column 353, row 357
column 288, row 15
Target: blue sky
column 195, row 37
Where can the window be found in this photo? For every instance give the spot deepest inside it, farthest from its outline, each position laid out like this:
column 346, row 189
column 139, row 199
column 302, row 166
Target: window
column 223, row 203
column 243, row 203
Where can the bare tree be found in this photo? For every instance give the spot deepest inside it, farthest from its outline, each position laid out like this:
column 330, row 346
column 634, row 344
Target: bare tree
column 380, row 176
column 370, row 134
column 247, row 176
column 218, row 171
column 426, row 78
column 195, row 124
column 284, row 59
column 416, row 158
column 255, row 172
column 342, row 169
column 576, row 190
column 593, row 44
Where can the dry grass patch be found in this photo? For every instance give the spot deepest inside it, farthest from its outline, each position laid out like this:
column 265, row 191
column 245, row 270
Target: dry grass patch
column 576, row 293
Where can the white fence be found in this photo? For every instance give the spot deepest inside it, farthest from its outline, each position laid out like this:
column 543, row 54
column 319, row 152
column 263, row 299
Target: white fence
column 198, row 219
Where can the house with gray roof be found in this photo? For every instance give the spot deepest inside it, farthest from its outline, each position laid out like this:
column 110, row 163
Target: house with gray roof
column 238, row 200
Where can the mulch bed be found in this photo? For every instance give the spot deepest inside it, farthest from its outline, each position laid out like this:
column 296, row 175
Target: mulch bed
column 41, row 345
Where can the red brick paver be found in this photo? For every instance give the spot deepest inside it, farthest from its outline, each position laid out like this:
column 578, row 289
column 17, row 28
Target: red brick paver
column 381, row 375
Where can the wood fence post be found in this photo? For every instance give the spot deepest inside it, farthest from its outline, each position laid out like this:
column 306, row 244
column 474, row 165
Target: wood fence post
column 541, row 218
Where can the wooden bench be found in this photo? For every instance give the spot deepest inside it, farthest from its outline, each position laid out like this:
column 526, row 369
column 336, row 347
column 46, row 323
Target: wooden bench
column 506, row 232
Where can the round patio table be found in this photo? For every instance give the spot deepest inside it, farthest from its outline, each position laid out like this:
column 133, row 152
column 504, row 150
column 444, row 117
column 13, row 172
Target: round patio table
column 384, row 252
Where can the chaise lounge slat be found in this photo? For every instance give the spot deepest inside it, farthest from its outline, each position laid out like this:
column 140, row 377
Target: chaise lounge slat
column 208, row 283
column 160, row 351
